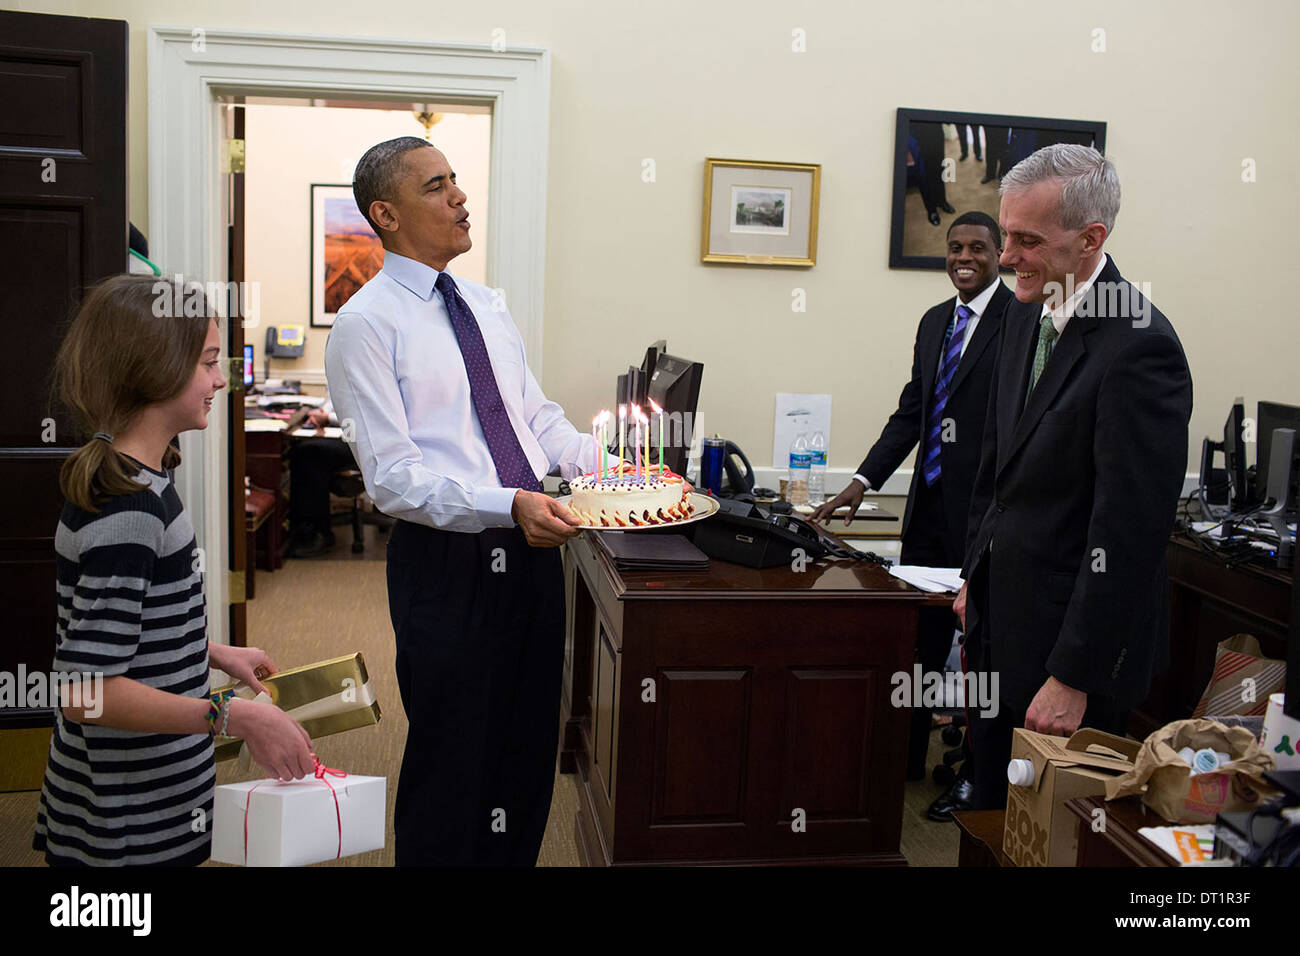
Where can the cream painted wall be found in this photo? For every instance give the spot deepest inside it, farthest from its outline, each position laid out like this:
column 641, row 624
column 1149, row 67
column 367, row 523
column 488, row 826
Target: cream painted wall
column 291, row 147
column 1189, row 89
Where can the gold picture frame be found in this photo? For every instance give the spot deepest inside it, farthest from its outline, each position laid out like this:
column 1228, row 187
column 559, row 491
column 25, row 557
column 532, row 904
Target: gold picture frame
column 760, row 214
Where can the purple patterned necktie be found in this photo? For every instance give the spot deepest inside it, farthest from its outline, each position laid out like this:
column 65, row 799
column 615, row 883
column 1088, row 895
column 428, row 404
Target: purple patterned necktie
column 952, row 343
column 507, row 454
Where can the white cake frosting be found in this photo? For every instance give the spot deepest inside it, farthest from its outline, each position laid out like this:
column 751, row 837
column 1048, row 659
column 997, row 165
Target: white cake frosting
column 629, row 502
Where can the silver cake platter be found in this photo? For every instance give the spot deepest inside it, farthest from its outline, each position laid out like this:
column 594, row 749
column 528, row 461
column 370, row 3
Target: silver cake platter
column 704, row 506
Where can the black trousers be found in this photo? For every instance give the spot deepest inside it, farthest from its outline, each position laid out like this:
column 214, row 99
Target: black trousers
column 928, row 543
column 312, row 463
column 991, row 736
column 479, row 623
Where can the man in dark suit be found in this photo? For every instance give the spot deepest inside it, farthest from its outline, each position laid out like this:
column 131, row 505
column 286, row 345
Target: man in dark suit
column 930, row 155
column 1084, row 452
column 942, row 408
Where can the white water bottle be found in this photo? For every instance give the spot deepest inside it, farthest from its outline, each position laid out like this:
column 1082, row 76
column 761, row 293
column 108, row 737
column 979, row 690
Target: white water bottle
column 800, row 465
column 817, row 469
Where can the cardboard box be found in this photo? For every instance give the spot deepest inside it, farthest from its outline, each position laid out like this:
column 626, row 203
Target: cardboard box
column 296, row 823
column 1039, row 831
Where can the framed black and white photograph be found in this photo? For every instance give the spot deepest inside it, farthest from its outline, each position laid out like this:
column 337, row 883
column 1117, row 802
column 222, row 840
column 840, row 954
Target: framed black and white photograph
column 947, row 163
column 760, row 213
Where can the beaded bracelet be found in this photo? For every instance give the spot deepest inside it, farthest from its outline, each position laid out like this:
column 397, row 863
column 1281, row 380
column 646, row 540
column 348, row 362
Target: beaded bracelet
column 216, row 704
column 225, row 717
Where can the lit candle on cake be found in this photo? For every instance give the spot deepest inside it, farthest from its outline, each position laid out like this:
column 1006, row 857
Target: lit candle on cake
column 641, row 419
column 654, row 406
column 604, row 440
column 595, row 446
column 622, row 435
column 636, row 441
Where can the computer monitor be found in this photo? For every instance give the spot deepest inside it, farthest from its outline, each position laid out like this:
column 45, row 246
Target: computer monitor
column 1279, row 505
column 1291, row 702
column 675, row 386
column 652, row 357
column 631, row 386
column 1234, row 457
column 1271, row 416
column 248, row 366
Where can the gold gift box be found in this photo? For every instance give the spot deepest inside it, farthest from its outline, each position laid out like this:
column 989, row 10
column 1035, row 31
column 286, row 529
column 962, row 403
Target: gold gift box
column 311, row 686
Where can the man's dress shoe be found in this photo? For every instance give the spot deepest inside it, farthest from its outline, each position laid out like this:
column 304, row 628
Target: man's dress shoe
column 311, row 545
column 960, row 796
column 934, row 219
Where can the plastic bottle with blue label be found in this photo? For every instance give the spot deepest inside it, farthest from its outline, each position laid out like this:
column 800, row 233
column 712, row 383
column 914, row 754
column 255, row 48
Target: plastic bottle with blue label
column 817, row 469
column 800, row 466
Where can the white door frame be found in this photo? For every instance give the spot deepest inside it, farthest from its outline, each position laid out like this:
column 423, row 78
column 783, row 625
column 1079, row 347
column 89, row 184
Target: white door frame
column 189, row 69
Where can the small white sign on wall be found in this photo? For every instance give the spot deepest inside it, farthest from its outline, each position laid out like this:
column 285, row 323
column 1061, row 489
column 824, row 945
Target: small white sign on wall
column 797, row 413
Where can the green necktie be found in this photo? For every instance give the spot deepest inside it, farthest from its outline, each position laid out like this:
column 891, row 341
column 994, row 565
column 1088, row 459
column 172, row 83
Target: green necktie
column 1046, row 337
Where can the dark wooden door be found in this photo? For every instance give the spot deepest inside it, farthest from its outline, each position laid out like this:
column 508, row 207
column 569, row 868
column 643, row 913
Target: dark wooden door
column 63, row 226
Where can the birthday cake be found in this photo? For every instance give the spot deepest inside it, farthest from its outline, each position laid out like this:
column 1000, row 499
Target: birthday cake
column 630, row 500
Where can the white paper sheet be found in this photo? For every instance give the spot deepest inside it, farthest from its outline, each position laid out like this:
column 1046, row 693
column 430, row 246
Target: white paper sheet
column 933, row 580
column 263, row 425
column 797, row 413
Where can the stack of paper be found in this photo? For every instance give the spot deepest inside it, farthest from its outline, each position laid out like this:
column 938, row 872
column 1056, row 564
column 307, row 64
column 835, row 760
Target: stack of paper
column 933, row 580
column 263, row 425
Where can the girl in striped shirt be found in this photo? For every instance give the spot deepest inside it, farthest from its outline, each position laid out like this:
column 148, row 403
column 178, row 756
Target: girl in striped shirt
column 130, row 780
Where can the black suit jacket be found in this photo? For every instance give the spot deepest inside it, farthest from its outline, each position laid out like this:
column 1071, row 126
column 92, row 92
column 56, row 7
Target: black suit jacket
column 1075, row 499
column 967, row 404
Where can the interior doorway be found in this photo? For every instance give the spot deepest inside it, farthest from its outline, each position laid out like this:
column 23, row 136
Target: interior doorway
column 190, row 78
column 299, row 249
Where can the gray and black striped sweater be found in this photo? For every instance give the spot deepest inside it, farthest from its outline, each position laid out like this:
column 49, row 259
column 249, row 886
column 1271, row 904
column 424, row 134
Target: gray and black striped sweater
column 130, row 600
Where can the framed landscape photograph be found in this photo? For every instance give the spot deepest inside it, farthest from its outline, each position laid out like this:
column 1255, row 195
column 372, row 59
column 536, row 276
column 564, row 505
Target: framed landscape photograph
column 345, row 252
column 947, row 163
column 760, row 214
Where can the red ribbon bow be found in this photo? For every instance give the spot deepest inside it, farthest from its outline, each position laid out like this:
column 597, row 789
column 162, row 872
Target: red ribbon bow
column 320, row 772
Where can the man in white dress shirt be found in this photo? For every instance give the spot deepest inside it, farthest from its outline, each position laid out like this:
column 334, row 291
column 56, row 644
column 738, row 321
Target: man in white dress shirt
column 453, row 436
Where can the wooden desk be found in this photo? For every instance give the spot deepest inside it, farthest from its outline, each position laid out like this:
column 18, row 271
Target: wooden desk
column 1119, row 844
column 771, row 694
column 1209, row 602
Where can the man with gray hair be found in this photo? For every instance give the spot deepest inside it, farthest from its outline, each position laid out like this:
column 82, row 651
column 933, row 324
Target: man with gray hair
column 1085, row 447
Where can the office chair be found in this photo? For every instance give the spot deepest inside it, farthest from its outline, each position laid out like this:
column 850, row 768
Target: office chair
column 348, row 483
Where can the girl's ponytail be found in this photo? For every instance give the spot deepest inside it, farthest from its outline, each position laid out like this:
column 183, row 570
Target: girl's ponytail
column 125, row 350
column 97, row 471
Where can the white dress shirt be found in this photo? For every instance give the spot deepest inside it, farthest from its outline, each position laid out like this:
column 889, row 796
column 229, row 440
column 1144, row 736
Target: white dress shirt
column 977, row 306
column 395, row 370
column 1065, row 311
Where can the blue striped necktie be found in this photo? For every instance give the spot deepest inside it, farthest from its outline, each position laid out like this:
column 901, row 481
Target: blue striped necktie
column 513, row 468
column 952, row 344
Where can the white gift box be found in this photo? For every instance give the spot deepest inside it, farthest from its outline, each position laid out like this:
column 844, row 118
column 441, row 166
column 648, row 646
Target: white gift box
column 296, row 823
